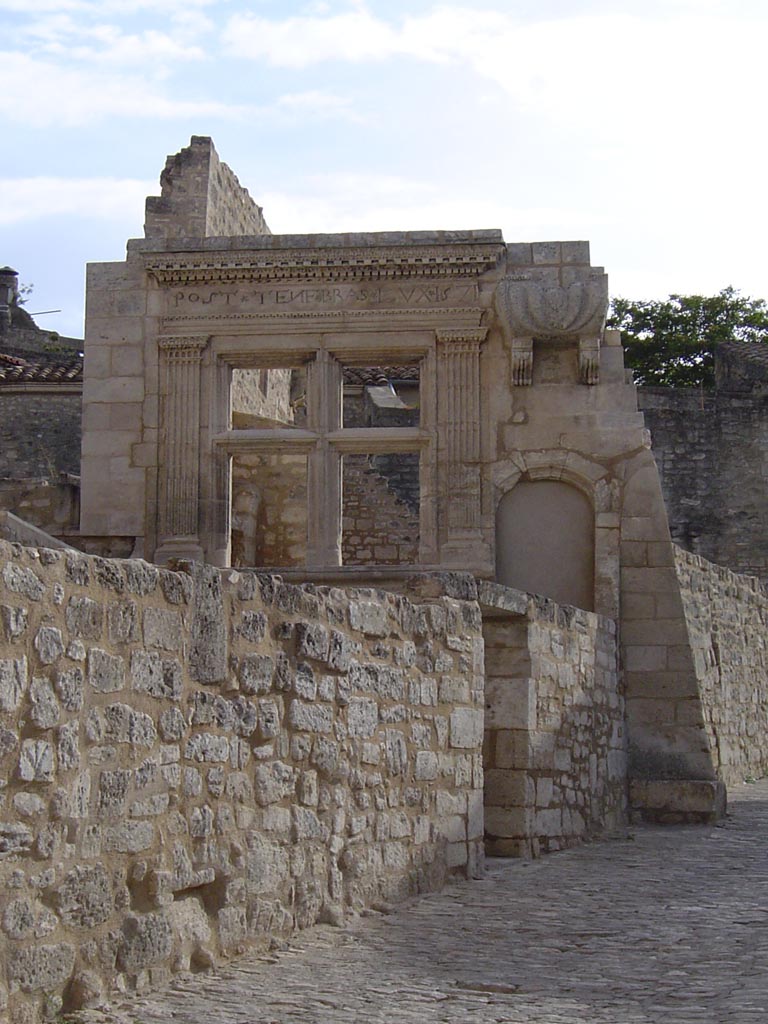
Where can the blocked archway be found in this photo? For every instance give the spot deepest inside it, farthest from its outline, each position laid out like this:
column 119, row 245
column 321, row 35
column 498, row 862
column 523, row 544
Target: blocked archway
column 545, row 542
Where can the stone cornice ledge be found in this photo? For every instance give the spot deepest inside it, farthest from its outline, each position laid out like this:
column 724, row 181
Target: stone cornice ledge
column 353, row 262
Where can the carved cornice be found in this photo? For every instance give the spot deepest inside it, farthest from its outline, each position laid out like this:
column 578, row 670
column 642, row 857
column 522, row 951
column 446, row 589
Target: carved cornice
column 347, row 264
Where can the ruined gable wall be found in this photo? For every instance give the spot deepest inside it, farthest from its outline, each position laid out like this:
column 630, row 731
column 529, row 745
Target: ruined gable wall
column 196, row 764
column 201, row 198
column 712, row 453
column 727, row 617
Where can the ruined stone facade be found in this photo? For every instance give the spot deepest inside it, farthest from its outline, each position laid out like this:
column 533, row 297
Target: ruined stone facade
column 296, row 745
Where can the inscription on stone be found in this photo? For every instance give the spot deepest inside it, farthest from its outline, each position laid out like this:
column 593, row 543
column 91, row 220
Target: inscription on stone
column 213, row 300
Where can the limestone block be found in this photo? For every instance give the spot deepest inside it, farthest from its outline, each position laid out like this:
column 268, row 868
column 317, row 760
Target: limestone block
column 466, row 728
column 509, row 822
column 14, row 621
column 369, row 618
column 128, row 837
column 40, row 968
column 362, row 716
column 310, row 717
column 69, row 688
column 49, row 644
column 23, row 581
column 510, row 703
column 15, row 838
column 256, row 673
column 426, row 768
column 253, row 626
column 106, row 673
column 159, row 677
column 162, row 628
column 146, row 939
column 84, row 897
column 13, row 682
column 36, row 761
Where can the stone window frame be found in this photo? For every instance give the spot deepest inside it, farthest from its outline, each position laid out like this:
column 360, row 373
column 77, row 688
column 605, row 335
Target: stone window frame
column 324, row 440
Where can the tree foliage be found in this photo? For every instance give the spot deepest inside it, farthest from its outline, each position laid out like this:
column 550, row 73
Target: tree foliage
column 672, row 342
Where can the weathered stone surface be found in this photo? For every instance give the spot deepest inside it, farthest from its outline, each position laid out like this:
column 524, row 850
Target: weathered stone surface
column 106, row 673
column 44, row 711
column 36, row 762
column 146, row 939
column 208, row 654
column 84, row 618
column 310, row 717
column 69, row 687
column 49, row 644
column 14, row 838
column 162, row 628
column 362, row 716
column 14, row 620
column 13, row 682
column 256, row 673
column 244, row 795
column 84, row 898
column 122, row 622
column 159, row 677
column 23, row 581
column 466, row 727
column 41, row 968
column 207, row 746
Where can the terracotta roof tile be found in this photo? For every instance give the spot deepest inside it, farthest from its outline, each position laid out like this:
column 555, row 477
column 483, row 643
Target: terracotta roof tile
column 19, row 371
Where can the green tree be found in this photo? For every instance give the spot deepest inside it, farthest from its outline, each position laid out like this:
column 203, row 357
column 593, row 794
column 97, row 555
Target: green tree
column 672, row 342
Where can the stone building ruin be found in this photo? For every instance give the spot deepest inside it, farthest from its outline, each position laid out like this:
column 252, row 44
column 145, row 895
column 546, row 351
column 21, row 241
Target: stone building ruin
column 469, row 631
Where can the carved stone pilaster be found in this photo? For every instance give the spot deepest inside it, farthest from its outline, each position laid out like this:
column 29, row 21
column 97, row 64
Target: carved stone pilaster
column 459, row 417
column 178, row 510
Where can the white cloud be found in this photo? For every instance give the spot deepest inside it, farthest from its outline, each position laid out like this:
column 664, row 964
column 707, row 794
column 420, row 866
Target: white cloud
column 26, row 199
column 45, row 94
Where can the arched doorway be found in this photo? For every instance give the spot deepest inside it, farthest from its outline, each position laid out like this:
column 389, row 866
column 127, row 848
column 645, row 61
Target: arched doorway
column 545, row 542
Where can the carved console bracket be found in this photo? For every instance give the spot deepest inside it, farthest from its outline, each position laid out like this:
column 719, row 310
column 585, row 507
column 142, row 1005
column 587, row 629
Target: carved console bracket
column 530, row 309
column 180, row 359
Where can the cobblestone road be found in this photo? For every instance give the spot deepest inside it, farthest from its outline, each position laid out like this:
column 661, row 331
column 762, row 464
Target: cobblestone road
column 657, row 925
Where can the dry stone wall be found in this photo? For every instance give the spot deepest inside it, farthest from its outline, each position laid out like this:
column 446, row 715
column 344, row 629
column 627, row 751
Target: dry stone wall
column 727, row 619
column 192, row 764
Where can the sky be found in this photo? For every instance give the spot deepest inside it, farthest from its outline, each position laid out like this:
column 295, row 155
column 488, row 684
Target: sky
column 640, row 125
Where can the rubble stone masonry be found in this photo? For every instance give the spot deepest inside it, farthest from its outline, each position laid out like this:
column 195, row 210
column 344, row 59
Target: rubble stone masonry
column 727, row 619
column 196, row 763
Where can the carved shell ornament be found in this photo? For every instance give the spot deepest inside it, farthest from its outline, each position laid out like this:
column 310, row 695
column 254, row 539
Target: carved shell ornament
column 542, row 310
column 531, row 309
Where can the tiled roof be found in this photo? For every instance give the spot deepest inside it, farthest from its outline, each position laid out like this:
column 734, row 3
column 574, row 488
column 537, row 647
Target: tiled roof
column 20, row 371
column 377, row 376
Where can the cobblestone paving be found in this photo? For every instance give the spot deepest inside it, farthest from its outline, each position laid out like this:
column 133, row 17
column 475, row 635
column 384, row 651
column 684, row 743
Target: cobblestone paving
column 654, row 925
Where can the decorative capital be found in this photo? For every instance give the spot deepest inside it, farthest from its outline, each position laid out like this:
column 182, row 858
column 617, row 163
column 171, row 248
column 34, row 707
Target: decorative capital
column 473, row 336
column 177, row 343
